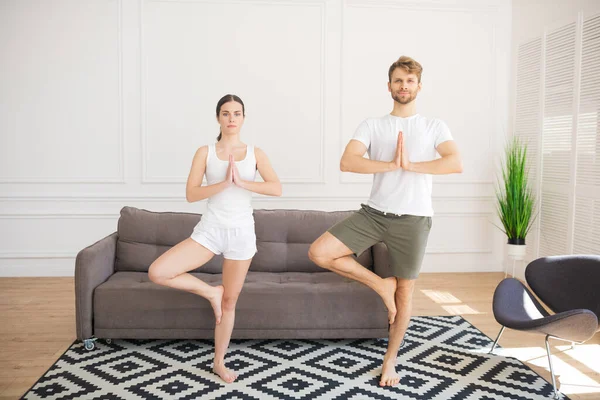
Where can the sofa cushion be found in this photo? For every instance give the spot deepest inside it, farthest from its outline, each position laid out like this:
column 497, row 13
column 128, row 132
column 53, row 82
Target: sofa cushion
column 268, row 301
column 284, row 236
column 145, row 235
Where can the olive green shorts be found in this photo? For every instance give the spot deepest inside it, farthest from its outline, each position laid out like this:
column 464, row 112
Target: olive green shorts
column 404, row 235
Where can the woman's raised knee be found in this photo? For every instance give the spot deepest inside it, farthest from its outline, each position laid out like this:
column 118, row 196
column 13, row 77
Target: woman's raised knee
column 156, row 273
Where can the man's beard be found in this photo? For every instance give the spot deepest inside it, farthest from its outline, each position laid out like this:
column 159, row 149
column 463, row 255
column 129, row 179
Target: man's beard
column 404, row 99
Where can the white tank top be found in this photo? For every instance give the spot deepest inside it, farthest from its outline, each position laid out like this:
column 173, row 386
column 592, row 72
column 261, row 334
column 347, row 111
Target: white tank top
column 231, row 207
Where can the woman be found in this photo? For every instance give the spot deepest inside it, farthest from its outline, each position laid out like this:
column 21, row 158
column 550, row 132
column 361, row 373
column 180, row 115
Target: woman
column 226, row 228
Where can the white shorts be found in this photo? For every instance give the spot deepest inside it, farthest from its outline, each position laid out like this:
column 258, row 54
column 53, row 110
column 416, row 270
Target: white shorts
column 233, row 243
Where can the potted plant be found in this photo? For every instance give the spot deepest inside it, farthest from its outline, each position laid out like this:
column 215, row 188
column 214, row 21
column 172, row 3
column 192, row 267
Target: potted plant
column 515, row 198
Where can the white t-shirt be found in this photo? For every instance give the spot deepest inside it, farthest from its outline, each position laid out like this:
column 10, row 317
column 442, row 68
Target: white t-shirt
column 400, row 191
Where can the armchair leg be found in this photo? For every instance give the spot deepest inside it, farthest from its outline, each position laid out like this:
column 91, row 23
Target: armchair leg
column 551, row 370
column 496, row 341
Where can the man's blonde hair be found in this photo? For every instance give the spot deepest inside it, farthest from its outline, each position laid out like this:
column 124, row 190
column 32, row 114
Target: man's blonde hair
column 407, row 64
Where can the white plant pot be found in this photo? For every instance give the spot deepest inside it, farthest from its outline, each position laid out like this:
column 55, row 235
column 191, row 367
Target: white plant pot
column 517, row 251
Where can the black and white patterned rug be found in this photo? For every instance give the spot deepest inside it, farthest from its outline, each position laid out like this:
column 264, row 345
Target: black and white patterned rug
column 443, row 358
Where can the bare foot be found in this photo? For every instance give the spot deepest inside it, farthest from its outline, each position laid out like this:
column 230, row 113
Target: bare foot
column 215, row 302
column 389, row 297
column 389, row 376
column 226, row 374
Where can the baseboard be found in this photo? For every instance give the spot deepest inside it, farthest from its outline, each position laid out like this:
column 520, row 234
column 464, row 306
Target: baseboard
column 37, row 267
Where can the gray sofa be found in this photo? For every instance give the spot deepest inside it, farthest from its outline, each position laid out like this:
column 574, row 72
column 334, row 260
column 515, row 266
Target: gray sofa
column 285, row 295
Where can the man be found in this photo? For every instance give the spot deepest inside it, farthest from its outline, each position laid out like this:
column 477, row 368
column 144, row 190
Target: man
column 402, row 147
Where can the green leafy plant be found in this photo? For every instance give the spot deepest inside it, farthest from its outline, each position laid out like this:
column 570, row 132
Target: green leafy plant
column 515, row 198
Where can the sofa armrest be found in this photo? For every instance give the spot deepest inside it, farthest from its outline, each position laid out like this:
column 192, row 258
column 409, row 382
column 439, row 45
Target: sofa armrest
column 381, row 260
column 93, row 266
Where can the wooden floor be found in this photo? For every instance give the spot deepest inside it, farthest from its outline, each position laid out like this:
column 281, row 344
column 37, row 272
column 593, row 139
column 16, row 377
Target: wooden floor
column 37, row 324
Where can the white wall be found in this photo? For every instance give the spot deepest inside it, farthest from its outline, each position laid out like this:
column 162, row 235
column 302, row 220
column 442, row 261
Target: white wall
column 549, row 15
column 103, row 104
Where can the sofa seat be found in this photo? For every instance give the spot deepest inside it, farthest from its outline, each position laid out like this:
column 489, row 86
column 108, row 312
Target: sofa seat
column 271, row 305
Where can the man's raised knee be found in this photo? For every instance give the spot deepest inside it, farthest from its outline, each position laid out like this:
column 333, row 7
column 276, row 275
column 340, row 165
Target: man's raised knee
column 317, row 255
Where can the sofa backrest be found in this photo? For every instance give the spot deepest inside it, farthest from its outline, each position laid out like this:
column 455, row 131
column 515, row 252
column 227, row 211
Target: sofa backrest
column 282, row 238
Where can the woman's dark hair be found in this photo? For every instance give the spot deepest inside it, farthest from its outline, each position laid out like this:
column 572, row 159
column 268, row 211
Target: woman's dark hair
column 226, row 99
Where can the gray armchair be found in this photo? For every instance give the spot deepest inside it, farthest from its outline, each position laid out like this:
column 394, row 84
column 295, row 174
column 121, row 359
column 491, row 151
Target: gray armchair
column 568, row 285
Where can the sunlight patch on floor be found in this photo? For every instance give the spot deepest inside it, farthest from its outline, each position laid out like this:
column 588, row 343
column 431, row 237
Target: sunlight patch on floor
column 441, row 297
column 587, row 354
column 449, row 302
column 569, row 379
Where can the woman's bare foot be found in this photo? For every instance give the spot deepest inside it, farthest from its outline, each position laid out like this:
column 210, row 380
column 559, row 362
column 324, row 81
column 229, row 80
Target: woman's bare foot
column 389, row 376
column 226, row 374
column 389, row 297
column 215, row 302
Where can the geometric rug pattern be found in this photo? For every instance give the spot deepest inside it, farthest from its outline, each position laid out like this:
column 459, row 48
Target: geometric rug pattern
column 442, row 358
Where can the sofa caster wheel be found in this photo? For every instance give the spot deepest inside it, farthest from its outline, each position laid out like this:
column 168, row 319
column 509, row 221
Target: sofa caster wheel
column 108, row 341
column 89, row 344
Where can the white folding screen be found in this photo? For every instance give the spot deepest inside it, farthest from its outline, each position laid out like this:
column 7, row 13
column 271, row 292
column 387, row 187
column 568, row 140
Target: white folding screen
column 587, row 201
column 557, row 105
column 557, row 128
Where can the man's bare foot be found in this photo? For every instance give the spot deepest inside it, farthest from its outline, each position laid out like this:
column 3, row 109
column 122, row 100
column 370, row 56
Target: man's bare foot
column 215, row 302
column 226, row 374
column 389, row 376
column 389, row 297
